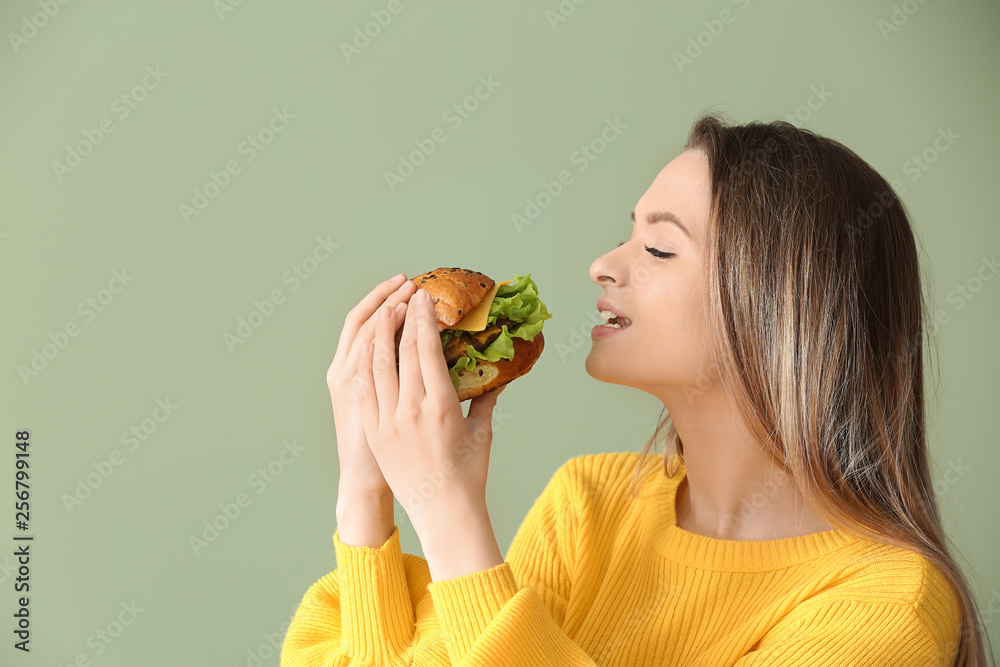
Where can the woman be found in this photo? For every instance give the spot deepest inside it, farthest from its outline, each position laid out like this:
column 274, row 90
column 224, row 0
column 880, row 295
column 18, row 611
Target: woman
column 773, row 303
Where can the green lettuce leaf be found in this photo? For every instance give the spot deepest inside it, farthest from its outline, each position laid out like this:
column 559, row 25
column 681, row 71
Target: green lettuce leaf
column 516, row 301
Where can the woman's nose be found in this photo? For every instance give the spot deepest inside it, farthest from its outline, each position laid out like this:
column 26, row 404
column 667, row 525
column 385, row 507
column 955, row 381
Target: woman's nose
column 601, row 269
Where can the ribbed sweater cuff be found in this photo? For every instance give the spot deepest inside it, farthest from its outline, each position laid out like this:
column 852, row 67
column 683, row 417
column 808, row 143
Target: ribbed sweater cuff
column 376, row 614
column 466, row 605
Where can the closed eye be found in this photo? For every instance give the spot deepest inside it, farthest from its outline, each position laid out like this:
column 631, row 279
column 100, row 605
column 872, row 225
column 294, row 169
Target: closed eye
column 654, row 252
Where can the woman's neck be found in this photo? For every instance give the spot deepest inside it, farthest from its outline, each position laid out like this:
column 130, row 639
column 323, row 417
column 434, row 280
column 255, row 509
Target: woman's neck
column 756, row 507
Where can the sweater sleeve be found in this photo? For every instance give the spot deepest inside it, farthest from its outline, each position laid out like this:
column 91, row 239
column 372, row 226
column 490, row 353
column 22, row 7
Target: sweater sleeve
column 512, row 614
column 381, row 608
column 853, row 631
column 364, row 612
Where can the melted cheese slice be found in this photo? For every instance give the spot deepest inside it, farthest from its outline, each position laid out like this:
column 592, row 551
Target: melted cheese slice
column 476, row 319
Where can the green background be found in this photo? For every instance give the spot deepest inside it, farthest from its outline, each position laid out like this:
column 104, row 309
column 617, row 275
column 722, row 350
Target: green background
column 886, row 95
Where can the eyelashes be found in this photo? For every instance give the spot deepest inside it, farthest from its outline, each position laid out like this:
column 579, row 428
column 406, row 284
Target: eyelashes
column 659, row 254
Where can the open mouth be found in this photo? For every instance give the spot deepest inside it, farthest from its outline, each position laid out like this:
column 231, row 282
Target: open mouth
column 615, row 321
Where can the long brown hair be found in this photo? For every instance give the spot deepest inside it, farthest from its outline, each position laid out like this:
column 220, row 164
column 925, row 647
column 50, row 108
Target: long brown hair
column 817, row 325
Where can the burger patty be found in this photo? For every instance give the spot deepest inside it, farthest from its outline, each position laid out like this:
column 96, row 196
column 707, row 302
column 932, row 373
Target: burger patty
column 455, row 348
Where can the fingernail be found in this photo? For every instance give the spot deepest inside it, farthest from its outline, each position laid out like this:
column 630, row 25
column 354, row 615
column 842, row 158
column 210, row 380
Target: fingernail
column 423, row 295
column 385, row 313
column 396, row 277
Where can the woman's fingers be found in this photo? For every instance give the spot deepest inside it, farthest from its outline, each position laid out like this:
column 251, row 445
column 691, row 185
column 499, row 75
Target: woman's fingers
column 384, row 364
column 411, row 383
column 364, row 391
column 366, row 331
column 433, row 367
column 363, row 311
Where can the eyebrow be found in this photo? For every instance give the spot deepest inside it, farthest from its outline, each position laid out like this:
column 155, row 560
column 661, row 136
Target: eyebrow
column 664, row 216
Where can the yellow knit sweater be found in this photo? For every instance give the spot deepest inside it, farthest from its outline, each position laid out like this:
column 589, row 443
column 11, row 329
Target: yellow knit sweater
column 593, row 577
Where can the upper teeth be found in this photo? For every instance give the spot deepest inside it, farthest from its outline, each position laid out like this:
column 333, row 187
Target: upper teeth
column 607, row 315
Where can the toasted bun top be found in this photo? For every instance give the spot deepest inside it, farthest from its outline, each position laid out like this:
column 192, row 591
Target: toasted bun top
column 454, row 291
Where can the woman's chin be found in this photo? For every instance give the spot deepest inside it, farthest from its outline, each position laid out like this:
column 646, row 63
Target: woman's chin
column 603, row 370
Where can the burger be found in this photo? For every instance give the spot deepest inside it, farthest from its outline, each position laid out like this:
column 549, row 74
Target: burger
column 491, row 333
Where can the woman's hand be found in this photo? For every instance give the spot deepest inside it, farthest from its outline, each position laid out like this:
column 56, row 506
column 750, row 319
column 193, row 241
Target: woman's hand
column 359, row 472
column 432, row 457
